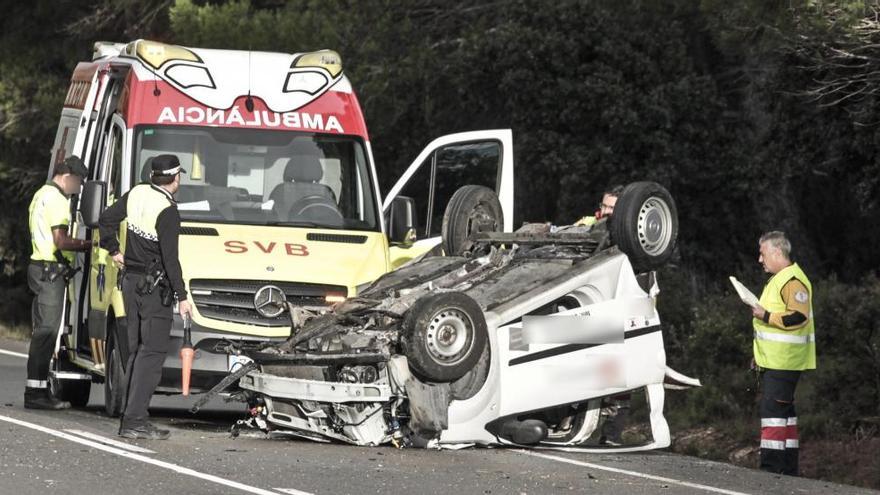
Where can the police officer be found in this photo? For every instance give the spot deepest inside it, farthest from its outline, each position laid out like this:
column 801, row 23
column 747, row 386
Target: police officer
column 784, row 345
column 49, row 269
column 152, row 279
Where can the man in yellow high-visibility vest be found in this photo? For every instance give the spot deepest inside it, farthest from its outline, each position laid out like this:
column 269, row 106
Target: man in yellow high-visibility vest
column 784, row 345
column 48, row 272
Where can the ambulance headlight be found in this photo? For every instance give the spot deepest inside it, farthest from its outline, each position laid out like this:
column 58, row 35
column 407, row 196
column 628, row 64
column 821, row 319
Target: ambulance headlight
column 155, row 54
column 188, row 76
column 310, row 82
column 326, row 59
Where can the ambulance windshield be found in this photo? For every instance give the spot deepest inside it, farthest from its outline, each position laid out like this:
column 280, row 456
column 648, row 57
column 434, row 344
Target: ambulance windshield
column 265, row 177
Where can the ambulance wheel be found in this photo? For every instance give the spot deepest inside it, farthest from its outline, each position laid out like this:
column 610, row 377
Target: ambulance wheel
column 444, row 335
column 74, row 391
column 471, row 209
column 114, row 378
column 645, row 225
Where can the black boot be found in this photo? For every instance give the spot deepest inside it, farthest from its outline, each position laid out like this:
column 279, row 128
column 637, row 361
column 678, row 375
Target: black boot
column 145, row 431
column 40, row 398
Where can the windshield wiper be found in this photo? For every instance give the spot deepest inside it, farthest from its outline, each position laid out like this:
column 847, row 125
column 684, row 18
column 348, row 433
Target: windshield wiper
column 301, row 223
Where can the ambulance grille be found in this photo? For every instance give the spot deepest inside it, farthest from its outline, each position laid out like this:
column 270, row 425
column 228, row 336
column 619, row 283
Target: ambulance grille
column 187, row 230
column 233, row 300
column 344, row 238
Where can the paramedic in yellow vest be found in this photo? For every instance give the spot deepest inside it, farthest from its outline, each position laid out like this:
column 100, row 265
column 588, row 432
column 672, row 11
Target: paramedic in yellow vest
column 784, row 345
column 152, row 280
column 48, row 220
column 606, row 207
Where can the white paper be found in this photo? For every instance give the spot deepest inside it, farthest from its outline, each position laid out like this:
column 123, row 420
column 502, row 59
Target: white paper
column 744, row 293
column 194, row 206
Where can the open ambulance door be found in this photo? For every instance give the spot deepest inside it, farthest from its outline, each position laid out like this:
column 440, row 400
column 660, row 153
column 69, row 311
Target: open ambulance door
column 449, row 162
column 96, row 139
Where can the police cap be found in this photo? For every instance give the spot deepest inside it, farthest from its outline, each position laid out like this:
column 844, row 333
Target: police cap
column 75, row 166
column 166, row 165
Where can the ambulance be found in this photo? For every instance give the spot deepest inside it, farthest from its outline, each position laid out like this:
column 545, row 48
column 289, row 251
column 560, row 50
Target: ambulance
column 280, row 192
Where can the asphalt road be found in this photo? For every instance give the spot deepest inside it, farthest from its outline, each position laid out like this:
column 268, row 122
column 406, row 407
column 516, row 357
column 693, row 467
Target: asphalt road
column 76, row 451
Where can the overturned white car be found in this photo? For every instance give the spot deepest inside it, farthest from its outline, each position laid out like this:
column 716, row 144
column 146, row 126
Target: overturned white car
column 515, row 341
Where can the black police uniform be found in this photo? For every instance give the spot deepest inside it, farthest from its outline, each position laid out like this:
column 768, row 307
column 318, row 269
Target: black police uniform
column 152, row 278
column 48, row 272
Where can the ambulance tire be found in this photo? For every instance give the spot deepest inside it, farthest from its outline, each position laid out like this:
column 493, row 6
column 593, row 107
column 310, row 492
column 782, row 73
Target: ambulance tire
column 114, row 378
column 74, row 391
column 444, row 335
column 645, row 225
column 471, row 209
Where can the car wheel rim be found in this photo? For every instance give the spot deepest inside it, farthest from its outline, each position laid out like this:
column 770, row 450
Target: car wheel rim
column 448, row 337
column 655, row 226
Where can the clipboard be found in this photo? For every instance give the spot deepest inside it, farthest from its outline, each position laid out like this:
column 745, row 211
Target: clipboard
column 744, row 293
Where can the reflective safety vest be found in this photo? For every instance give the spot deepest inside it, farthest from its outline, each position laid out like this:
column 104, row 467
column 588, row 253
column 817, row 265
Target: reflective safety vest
column 49, row 209
column 779, row 349
column 586, row 221
column 145, row 203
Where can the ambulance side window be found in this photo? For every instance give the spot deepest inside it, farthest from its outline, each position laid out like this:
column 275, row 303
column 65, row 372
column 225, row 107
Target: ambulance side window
column 418, row 187
column 114, row 180
column 460, row 165
column 443, row 173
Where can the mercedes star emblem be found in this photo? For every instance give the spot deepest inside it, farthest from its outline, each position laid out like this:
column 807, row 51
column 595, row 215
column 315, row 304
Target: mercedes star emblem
column 269, row 301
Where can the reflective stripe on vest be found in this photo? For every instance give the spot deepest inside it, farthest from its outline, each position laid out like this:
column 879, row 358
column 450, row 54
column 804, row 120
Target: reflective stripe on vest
column 145, row 203
column 779, row 349
column 791, row 339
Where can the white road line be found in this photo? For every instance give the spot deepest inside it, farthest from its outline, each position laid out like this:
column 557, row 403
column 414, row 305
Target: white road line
column 12, row 353
column 631, row 473
column 144, row 459
column 291, row 491
column 110, row 441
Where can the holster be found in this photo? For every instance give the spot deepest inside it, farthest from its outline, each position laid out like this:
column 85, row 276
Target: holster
column 51, row 272
column 166, row 293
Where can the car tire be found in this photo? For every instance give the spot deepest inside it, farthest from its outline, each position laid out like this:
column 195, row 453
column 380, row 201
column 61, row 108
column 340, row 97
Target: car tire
column 472, row 382
column 471, row 209
column 645, row 225
column 114, row 380
column 444, row 335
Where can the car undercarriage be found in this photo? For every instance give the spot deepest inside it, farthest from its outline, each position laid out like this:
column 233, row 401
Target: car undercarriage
column 514, row 340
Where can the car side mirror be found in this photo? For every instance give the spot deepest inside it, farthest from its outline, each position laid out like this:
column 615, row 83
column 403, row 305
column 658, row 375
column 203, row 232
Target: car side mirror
column 92, row 201
column 401, row 221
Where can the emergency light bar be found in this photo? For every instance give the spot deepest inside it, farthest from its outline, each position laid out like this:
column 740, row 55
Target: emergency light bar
column 325, row 59
column 155, row 54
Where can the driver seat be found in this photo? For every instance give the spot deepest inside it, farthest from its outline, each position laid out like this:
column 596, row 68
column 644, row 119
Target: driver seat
column 301, row 176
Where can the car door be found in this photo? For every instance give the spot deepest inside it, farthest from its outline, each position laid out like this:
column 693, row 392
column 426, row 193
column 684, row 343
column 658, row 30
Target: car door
column 446, row 164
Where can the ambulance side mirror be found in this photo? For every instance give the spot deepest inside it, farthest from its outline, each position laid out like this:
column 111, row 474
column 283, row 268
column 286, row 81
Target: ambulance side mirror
column 401, row 220
column 91, row 202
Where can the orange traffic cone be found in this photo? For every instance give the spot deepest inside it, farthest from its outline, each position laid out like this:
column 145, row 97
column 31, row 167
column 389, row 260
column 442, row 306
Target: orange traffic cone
column 186, row 355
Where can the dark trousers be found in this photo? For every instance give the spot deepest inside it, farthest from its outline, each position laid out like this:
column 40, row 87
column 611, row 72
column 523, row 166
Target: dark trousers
column 148, row 329
column 46, row 312
column 779, row 435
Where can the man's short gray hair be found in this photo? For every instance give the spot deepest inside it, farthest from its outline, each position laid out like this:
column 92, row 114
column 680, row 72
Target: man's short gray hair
column 778, row 240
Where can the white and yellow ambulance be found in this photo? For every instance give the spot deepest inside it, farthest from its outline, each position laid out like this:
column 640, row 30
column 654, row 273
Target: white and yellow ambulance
column 281, row 190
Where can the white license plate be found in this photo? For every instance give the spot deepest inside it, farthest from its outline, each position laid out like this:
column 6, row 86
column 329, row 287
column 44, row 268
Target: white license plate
column 236, row 362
